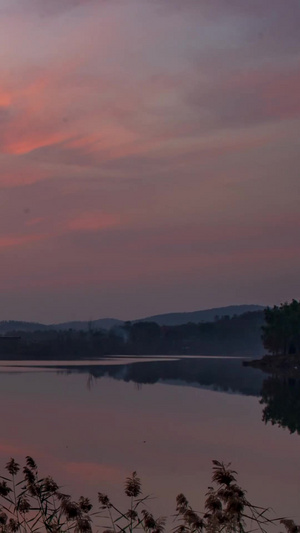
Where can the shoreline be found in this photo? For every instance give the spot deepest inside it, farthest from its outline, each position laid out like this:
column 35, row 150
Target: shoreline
column 281, row 365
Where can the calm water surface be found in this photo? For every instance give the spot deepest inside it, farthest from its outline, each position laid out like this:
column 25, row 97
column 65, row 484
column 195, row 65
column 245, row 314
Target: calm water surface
column 91, row 424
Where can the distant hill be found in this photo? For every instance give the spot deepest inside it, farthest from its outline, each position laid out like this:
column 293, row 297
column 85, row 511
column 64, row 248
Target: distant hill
column 168, row 319
column 101, row 323
column 7, row 326
column 205, row 315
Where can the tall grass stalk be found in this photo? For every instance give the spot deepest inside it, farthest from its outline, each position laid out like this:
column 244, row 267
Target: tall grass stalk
column 30, row 504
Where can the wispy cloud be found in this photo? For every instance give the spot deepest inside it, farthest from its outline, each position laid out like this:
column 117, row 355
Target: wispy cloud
column 11, row 241
column 94, row 222
column 95, row 472
column 161, row 136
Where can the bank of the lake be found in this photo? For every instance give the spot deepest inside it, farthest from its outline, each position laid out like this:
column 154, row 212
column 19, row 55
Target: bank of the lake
column 285, row 365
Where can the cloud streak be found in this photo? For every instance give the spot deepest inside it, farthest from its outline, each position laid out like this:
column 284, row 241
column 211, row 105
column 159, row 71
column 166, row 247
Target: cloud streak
column 144, row 146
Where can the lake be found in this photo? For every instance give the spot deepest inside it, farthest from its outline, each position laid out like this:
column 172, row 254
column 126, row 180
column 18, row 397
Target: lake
column 90, row 424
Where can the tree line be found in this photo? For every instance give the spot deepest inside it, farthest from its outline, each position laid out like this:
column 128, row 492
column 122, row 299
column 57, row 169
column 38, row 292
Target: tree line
column 277, row 330
column 239, row 335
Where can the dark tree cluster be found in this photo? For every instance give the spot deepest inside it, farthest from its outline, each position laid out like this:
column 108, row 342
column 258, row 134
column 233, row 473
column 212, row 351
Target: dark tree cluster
column 281, row 332
column 68, row 344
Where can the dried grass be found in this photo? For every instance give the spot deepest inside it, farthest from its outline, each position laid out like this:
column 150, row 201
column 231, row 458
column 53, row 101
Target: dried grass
column 30, row 504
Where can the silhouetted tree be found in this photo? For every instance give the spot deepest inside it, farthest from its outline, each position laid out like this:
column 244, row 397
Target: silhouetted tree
column 281, row 333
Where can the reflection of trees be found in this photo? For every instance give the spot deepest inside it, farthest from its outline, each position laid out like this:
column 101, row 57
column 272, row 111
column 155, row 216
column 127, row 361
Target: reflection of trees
column 281, row 400
column 218, row 374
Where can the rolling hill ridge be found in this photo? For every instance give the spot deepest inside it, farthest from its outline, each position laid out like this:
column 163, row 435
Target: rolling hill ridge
column 166, row 319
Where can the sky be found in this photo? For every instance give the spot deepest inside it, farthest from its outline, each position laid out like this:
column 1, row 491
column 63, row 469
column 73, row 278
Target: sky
column 149, row 156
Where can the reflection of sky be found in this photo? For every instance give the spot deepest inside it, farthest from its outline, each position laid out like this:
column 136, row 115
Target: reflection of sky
column 32, row 365
column 92, row 439
column 149, row 156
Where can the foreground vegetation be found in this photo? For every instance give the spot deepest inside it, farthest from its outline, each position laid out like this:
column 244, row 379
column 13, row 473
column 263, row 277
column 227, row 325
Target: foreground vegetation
column 29, row 503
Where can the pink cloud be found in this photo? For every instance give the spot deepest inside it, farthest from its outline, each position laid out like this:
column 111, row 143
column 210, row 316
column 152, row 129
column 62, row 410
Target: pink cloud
column 33, row 141
column 34, row 221
column 9, row 449
column 282, row 96
column 250, row 97
column 278, row 90
column 93, row 222
column 163, row 143
column 5, row 99
column 37, row 103
column 24, row 175
column 11, row 241
column 95, row 471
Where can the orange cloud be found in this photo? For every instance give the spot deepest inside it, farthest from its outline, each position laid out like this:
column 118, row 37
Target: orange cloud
column 5, row 98
column 38, row 106
column 33, row 141
column 104, row 122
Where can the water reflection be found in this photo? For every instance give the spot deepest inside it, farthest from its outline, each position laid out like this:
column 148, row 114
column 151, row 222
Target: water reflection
column 222, row 374
column 161, row 418
column 280, row 397
column 281, row 400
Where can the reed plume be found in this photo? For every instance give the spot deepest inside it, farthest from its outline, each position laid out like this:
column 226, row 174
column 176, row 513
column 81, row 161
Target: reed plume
column 31, row 504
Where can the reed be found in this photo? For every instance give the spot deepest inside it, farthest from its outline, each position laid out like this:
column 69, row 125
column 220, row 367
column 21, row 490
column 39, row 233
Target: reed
column 30, row 503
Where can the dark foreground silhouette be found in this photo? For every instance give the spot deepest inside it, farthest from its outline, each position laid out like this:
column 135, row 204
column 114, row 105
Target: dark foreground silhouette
column 30, row 503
